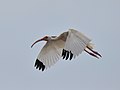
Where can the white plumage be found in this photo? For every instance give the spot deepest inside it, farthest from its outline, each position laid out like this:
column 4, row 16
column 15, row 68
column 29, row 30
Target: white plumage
column 67, row 45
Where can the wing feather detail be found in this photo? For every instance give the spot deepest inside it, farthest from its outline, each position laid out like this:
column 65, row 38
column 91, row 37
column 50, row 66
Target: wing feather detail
column 49, row 55
column 76, row 42
column 67, row 45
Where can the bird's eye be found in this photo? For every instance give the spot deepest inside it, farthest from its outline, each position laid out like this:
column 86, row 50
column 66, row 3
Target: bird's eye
column 46, row 36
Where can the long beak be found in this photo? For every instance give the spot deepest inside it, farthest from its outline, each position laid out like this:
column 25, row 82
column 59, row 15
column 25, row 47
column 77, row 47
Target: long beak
column 36, row 42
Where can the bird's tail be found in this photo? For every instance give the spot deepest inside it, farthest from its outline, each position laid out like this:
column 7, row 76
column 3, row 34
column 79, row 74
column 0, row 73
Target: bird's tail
column 91, row 45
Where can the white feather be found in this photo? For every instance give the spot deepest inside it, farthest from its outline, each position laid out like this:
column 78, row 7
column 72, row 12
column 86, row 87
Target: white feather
column 50, row 53
column 71, row 40
column 76, row 42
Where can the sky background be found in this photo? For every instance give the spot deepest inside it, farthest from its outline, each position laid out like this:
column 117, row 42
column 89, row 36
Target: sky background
column 24, row 21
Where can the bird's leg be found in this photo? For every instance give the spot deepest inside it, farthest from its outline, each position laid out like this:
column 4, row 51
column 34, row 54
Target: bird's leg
column 94, row 51
column 92, row 54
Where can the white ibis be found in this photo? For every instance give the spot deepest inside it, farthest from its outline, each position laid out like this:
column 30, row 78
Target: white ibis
column 67, row 45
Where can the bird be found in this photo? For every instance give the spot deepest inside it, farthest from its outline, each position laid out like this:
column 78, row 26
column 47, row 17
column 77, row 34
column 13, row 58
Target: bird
column 68, row 45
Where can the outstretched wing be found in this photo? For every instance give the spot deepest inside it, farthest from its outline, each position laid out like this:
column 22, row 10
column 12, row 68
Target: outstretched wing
column 49, row 55
column 75, row 43
column 69, row 44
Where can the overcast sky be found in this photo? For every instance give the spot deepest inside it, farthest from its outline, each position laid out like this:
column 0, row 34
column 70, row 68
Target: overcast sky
column 24, row 21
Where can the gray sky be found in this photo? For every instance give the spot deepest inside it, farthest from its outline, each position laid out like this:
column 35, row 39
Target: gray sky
column 24, row 21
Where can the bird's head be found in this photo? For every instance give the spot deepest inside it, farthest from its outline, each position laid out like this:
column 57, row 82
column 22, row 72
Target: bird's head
column 46, row 38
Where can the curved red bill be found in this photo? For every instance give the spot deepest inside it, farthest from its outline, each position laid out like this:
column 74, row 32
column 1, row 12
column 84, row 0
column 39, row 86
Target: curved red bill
column 36, row 42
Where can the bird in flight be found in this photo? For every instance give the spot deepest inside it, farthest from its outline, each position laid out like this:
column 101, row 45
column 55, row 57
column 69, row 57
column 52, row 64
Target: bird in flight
column 67, row 45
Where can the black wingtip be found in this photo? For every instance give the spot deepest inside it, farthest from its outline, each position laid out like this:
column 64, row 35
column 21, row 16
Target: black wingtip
column 39, row 65
column 71, row 55
column 67, row 54
column 63, row 52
